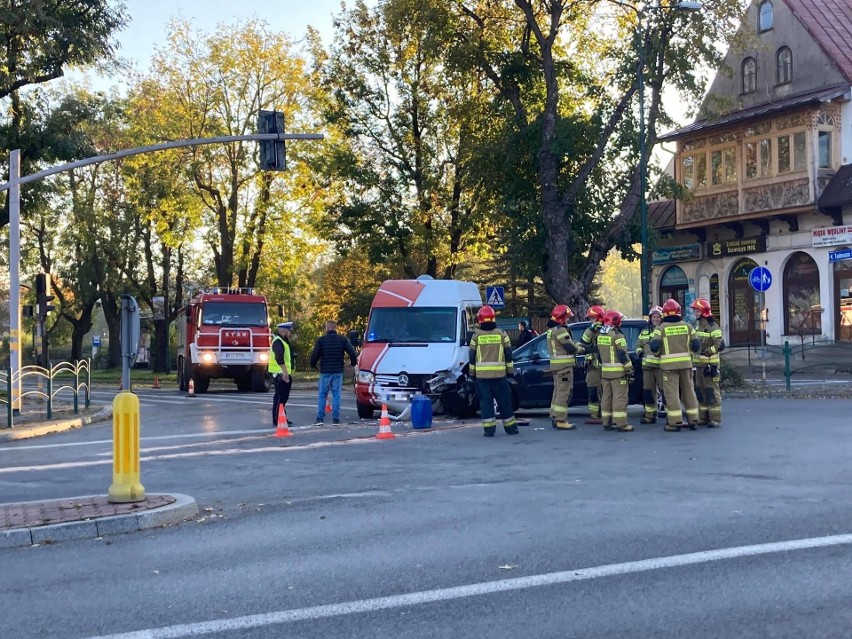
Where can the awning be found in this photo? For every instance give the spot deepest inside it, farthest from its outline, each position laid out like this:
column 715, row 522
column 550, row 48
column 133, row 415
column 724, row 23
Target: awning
column 838, row 191
column 818, row 96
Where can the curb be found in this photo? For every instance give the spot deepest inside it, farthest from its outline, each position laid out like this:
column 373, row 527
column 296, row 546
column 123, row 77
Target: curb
column 184, row 508
column 45, row 428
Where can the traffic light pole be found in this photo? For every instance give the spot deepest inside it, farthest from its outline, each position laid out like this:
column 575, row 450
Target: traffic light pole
column 14, row 188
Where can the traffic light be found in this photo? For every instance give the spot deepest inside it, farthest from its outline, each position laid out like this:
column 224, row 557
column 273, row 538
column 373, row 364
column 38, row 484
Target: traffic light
column 42, row 297
column 273, row 153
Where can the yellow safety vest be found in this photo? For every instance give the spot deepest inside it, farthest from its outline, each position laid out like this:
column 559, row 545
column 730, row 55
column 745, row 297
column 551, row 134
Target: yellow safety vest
column 490, row 354
column 557, row 337
column 272, row 366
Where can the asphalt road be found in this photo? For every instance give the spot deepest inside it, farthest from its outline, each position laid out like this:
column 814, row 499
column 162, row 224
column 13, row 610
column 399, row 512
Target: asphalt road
column 448, row 534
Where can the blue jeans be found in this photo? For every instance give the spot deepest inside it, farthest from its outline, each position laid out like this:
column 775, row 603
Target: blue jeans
column 329, row 382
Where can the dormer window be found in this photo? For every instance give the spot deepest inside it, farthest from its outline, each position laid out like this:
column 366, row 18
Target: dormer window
column 767, row 16
column 749, row 75
column 784, row 61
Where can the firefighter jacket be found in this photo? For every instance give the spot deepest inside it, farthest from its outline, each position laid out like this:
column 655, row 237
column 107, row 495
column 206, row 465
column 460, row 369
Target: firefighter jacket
column 589, row 341
column 490, row 353
column 712, row 343
column 649, row 360
column 612, row 352
column 675, row 341
column 274, row 366
column 561, row 347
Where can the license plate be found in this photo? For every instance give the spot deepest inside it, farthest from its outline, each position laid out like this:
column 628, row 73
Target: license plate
column 239, row 356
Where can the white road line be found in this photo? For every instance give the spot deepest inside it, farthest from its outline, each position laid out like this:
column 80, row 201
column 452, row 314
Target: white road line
column 221, row 433
column 473, row 590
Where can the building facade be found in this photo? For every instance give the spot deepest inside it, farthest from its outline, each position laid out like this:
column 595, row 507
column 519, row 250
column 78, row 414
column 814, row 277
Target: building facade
column 767, row 173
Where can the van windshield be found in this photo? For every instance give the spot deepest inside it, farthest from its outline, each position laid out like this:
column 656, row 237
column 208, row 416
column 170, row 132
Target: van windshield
column 424, row 324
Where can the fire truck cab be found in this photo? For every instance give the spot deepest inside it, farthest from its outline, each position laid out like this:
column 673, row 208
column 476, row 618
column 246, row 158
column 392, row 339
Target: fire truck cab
column 224, row 333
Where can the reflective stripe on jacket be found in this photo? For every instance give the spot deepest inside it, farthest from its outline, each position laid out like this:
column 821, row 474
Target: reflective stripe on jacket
column 612, row 349
column 557, row 338
column 710, row 335
column 490, row 354
column 590, row 340
column 649, row 359
column 675, row 344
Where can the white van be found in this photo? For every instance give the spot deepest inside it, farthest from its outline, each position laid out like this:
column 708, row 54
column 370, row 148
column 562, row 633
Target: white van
column 417, row 340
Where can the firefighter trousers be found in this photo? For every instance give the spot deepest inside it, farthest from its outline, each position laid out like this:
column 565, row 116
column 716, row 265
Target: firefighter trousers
column 595, row 390
column 707, row 392
column 614, row 402
column 491, row 390
column 563, row 386
column 677, row 388
column 652, row 385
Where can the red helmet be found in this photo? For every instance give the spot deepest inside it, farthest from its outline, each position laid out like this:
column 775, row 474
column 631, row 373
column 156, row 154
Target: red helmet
column 485, row 314
column 561, row 313
column 656, row 309
column 671, row 307
column 595, row 313
column 703, row 307
column 612, row 318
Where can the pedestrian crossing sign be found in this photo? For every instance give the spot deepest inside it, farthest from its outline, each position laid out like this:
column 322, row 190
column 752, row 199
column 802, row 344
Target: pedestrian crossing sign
column 495, row 297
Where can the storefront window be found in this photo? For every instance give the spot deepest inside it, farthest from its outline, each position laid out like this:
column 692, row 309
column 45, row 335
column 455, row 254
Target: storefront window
column 743, row 305
column 843, row 300
column 801, row 296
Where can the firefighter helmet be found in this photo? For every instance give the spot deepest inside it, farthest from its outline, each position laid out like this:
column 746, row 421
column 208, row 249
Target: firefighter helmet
column 703, row 307
column 561, row 313
column 595, row 313
column 612, row 318
column 485, row 314
column 656, row 309
column 671, row 307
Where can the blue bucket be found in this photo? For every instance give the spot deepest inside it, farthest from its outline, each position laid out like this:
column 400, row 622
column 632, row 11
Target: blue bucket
column 421, row 412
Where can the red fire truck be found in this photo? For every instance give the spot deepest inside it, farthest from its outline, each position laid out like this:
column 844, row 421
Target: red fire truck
column 224, row 333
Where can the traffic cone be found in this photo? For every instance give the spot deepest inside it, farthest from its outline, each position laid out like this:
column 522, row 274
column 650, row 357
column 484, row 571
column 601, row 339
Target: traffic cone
column 283, row 429
column 156, row 382
column 191, row 389
column 327, row 405
column 385, row 431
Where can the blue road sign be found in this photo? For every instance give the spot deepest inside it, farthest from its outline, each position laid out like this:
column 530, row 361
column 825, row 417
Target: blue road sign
column 495, row 297
column 760, row 278
column 96, row 340
column 839, row 256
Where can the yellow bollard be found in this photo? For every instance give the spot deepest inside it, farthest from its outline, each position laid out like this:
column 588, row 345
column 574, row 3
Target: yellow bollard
column 125, row 485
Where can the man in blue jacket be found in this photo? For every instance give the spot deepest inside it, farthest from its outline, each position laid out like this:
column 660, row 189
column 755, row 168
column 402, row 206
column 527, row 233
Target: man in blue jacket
column 329, row 352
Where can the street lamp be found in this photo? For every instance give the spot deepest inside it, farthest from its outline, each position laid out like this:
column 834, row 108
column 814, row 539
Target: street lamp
column 643, row 167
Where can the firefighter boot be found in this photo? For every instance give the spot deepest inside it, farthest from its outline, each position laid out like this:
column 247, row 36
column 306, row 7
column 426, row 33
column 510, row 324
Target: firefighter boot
column 627, row 428
column 489, row 431
column 647, row 420
column 563, row 425
column 672, row 428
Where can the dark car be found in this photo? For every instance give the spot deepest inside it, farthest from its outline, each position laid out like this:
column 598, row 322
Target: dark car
column 532, row 384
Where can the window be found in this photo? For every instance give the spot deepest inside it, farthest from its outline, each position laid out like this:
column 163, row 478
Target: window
column 758, row 156
column 791, row 153
column 784, row 64
column 749, row 75
column 767, row 16
column 801, row 296
column 825, row 150
column 799, row 152
column 723, row 166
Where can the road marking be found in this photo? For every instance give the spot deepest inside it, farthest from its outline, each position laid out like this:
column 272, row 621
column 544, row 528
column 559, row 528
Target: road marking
column 221, row 433
column 473, row 590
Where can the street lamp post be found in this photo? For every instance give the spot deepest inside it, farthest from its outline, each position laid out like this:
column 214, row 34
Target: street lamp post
column 643, row 164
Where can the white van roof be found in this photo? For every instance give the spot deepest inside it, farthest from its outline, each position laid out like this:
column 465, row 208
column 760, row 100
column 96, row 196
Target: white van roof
column 425, row 291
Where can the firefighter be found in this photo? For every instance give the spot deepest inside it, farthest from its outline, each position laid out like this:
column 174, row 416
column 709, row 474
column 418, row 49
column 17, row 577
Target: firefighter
column 706, row 362
column 562, row 350
column 490, row 363
column 652, row 378
column 674, row 341
column 616, row 372
column 280, row 366
column 593, row 366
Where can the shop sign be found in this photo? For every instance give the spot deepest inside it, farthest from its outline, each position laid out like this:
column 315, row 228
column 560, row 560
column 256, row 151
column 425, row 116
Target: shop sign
column 832, row 236
column 743, row 246
column 683, row 253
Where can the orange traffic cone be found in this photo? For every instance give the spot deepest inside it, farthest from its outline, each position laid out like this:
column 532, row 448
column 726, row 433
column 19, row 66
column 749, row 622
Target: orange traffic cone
column 283, row 429
column 156, row 382
column 191, row 389
column 327, row 405
column 385, row 431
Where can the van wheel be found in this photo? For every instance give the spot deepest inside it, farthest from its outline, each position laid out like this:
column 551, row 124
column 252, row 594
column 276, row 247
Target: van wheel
column 365, row 411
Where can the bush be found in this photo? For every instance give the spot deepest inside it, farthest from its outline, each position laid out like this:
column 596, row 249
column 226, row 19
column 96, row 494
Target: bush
column 731, row 377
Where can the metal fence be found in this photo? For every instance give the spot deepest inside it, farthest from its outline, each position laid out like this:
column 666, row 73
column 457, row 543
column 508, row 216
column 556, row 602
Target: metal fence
column 46, row 383
column 802, row 358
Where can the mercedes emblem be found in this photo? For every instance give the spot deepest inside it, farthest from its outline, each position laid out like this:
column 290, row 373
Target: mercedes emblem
column 403, row 379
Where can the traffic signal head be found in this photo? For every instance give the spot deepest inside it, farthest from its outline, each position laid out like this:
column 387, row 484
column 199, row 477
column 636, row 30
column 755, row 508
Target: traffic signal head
column 42, row 297
column 273, row 153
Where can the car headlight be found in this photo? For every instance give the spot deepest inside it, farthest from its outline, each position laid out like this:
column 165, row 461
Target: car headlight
column 207, row 357
column 366, row 377
column 264, row 357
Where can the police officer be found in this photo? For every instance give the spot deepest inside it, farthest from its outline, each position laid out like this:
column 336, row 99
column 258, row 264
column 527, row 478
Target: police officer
column 674, row 341
column 562, row 350
column 593, row 366
column 706, row 362
column 490, row 363
column 616, row 371
column 652, row 378
column 280, row 366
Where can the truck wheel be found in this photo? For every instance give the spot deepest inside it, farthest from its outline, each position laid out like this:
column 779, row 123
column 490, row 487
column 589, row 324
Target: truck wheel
column 202, row 383
column 244, row 383
column 365, row 411
column 182, row 383
column 261, row 381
